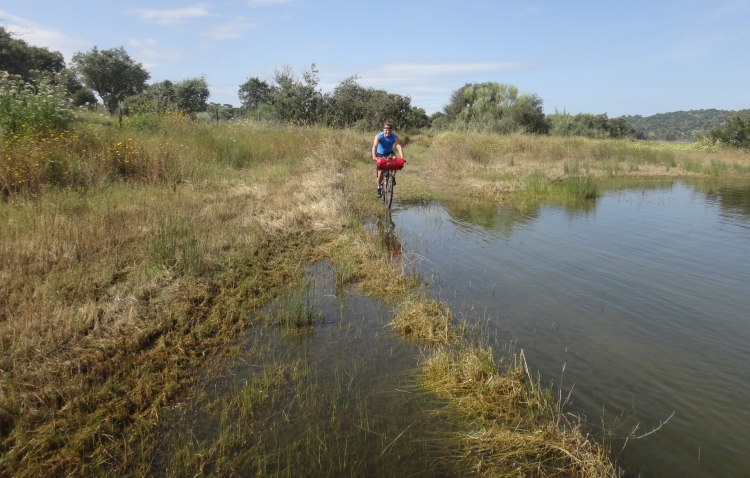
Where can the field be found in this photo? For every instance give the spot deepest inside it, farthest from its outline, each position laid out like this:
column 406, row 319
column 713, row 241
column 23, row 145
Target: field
column 138, row 262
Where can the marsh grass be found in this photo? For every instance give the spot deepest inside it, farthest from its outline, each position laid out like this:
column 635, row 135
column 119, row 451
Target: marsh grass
column 523, row 171
column 132, row 260
column 516, row 426
column 117, row 286
column 425, row 320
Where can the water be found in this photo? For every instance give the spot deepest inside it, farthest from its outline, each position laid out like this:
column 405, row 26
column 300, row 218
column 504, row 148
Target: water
column 642, row 296
column 348, row 403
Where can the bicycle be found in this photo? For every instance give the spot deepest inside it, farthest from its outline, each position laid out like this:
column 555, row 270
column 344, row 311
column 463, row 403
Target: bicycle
column 389, row 165
column 388, row 180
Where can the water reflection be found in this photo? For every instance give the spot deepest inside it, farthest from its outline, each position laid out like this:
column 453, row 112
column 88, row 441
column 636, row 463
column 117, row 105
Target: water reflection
column 645, row 302
column 387, row 234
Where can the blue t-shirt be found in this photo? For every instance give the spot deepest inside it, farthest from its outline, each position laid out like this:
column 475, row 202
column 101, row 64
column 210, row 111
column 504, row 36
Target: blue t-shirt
column 385, row 145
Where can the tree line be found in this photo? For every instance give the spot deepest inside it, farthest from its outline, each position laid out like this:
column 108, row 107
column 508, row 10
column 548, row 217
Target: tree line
column 297, row 99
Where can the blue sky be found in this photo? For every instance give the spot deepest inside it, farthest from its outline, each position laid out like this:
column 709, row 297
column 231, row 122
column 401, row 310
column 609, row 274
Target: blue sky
column 637, row 57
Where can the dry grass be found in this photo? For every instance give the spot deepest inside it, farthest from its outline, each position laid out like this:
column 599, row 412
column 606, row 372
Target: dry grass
column 425, row 320
column 517, row 427
column 114, row 292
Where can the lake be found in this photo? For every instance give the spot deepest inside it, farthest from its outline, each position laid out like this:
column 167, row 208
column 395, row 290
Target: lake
column 637, row 303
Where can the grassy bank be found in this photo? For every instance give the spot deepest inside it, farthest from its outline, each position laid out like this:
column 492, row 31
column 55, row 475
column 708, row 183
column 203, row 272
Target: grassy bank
column 131, row 256
column 523, row 171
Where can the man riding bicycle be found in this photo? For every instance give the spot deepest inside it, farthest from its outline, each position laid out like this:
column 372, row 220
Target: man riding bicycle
column 382, row 147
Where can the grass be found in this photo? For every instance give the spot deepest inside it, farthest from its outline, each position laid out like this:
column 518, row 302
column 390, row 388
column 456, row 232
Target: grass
column 424, row 320
column 524, row 171
column 134, row 259
column 517, row 427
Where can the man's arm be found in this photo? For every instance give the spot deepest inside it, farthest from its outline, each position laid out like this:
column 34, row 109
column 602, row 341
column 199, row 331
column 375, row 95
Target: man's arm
column 375, row 147
column 399, row 148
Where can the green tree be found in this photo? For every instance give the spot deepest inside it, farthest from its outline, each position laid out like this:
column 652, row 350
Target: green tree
column 111, row 73
column 496, row 107
column 19, row 58
column 620, row 128
column 190, row 94
column 254, row 92
column 347, row 104
column 416, row 118
column 298, row 101
column 735, row 132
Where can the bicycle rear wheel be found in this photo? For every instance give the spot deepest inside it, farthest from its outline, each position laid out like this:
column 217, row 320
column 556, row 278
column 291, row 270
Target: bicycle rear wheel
column 388, row 190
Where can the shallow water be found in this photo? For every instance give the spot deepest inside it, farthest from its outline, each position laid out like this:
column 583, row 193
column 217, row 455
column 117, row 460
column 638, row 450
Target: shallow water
column 642, row 296
column 351, row 406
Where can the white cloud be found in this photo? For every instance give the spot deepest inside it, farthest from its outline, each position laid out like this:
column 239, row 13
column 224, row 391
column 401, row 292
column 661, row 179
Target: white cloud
column 228, row 30
column 416, row 73
column 169, row 16
column 37, row 35
column 147, row 54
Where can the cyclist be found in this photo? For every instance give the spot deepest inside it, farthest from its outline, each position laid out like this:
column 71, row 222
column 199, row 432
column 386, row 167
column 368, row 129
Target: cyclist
column 382, row 147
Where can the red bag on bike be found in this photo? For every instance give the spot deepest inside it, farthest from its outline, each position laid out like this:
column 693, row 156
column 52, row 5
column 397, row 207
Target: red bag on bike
column 390, row 163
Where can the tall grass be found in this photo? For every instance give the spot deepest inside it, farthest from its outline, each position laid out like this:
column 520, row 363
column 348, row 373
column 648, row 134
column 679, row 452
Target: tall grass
column 127, row 266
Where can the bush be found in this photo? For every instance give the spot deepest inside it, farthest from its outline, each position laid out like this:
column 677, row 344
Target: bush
column 30, row 107
column 735, row 133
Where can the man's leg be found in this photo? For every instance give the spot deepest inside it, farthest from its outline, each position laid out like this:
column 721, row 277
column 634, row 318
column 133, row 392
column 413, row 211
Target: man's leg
column 379, row 179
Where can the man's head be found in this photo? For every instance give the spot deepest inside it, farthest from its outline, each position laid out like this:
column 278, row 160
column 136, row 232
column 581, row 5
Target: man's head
column 387, row 129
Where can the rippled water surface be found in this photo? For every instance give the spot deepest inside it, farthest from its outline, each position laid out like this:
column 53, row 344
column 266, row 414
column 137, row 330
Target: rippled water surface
column 643, row 296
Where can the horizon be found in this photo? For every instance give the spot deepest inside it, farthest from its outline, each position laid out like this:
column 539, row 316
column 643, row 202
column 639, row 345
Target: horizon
column 623, row 60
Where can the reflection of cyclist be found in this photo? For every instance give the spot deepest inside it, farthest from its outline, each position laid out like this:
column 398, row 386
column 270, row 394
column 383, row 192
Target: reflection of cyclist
column 387, row 230
column 382, row 147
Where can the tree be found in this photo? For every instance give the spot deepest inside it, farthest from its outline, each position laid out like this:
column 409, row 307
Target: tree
column 620, row 128
column 528, row 113
column 19, row 58
column 346, row 104
column 111, row 73
column 416, row 118
column 495, row 107
column 190, row 94
column 456, row 103
column 77, row 92
column 298, row 102
column 255, row 92
column 736, row 132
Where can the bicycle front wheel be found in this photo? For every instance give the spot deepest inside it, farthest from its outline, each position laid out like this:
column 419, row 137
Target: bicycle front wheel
column 388, row 191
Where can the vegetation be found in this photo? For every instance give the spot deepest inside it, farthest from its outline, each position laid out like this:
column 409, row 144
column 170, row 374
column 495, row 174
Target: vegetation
column 36, row 106
column 187, row 96
column 19, row 58
column 735, row 132
column 139, row 259
column 588, row 125
column 679, row 125
column 111, row 73
column 493, row 107
column 299, row 101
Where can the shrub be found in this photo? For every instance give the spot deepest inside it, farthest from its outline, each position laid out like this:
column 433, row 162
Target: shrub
column 35, row 106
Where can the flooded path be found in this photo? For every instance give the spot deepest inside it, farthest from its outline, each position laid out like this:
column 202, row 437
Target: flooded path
column 642, row 296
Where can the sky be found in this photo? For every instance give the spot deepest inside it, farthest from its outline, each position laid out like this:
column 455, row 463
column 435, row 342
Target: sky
column 620, row 58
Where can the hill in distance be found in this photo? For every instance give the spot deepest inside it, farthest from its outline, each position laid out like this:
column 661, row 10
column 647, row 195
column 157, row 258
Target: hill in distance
column 680, row 125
